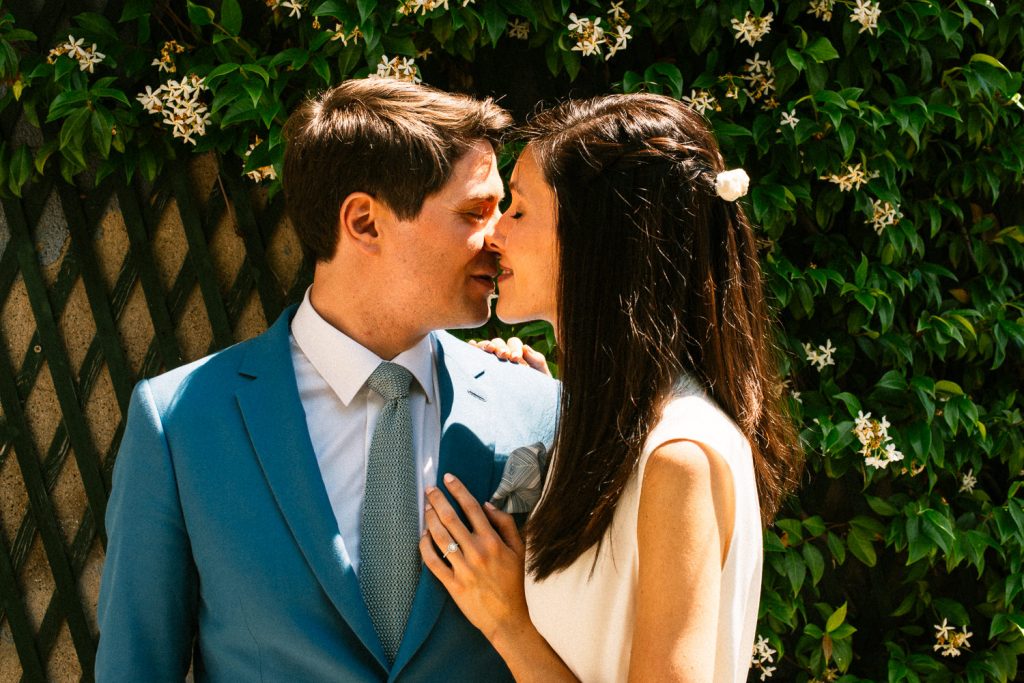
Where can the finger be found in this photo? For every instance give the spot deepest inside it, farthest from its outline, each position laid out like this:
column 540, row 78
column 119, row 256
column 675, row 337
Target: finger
column 440, row 535
column 473, row 342
column 442, row 511
column 536, row 360
column 506, row 527
column 515, row 349
column 500, row 347
column 432, row 559
column 474, row 513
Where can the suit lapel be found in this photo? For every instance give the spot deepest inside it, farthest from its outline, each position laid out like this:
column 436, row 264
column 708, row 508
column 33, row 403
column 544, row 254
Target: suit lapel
column 463, row 403
column 276, row 423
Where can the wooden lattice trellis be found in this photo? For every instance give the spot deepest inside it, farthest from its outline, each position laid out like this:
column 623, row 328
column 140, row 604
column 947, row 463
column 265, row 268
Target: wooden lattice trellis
column 99, row 288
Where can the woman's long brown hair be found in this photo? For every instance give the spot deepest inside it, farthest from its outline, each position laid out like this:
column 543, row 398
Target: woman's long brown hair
column 659, row 277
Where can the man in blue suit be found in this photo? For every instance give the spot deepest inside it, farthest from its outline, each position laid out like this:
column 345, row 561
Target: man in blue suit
column 245, row 519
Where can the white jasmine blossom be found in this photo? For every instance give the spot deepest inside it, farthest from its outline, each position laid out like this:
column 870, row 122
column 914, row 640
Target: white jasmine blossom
column 876, row 444
column 866, row 14
column 593, row 39
column 884, row 214
column 752, row 29
column 617, row 13
column 789, row 119
column 263, row 172
column 179, row 104
column 519, row 29
column 853, row 178
column 294, row 8
column 762, row 655
column 87, row 57
column 822, row 9
column 949, row 641
column 700, row 101
column 822, row 356
column 399, row 68
column 968, row 481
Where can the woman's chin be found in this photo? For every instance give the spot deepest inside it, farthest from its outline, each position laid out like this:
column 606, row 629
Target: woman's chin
column 508, row 312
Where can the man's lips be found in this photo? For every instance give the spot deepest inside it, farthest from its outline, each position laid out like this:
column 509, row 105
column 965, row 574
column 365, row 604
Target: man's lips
column 503, row 273
column 485, row 278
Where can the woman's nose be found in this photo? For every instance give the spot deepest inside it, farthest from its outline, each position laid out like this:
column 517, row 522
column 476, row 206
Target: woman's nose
column 495, row 238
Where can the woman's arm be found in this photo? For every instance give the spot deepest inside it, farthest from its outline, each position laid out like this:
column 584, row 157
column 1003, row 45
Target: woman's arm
column 683, row 529
column 485, row 577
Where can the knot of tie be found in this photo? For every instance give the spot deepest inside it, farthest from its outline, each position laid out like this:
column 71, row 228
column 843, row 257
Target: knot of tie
column 390, row 380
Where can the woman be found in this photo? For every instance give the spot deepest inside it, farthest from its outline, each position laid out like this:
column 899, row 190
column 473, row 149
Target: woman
column 643, row 557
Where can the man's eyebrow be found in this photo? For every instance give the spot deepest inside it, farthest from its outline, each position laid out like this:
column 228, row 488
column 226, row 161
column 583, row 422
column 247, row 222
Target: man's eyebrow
column 513, row 186
column 488, row 197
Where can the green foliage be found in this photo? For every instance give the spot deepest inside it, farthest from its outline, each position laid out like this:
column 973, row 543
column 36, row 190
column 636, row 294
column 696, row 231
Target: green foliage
column 886, row 167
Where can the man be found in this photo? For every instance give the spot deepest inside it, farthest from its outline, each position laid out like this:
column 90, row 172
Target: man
column 267, row 500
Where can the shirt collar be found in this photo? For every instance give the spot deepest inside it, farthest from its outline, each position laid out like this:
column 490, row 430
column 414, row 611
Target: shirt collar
column 345, row 364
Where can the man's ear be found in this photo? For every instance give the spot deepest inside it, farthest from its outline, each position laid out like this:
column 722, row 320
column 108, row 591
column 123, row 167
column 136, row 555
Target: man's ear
column 358, row 220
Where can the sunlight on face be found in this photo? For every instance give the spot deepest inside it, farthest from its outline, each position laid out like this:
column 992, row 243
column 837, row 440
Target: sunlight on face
column 527, row 243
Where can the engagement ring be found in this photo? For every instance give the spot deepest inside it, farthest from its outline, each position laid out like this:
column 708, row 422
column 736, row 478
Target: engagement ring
column 452, row 547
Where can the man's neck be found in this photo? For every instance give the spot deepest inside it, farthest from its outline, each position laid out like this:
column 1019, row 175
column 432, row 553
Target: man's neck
column 362, row 319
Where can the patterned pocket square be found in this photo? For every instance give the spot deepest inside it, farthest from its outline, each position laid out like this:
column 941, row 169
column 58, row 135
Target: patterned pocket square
column 522, row 479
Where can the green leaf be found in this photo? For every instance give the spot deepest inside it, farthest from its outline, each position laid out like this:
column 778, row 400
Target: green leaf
column 199, row 15
column 254, row 89
column 821, row 50
column 366, row 8
column 71, row 131
column 231, row 16
column 852, row 402
column 990, row 60
column 861, row 547
column 101, row 128
column 880, row 506
column 815, row 561
column 837, row 618
column 938, row 528
column 133, row 9
column 796, row 570
column 796, row 59
column 495, row 20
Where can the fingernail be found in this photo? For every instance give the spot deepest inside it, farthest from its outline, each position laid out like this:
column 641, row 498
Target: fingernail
column 449, row 478
column 489, row 506
column 428, row 507
column 431, row 489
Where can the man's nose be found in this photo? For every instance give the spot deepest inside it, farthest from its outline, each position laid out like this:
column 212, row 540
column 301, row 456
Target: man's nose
column 494, row 239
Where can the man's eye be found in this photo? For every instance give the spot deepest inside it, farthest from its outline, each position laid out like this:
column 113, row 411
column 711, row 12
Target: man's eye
column 516, row 216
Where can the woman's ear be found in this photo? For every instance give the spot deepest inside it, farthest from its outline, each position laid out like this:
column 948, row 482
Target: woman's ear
column 358, row 220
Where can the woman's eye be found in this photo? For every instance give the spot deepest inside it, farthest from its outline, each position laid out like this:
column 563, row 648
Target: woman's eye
column 516, row 216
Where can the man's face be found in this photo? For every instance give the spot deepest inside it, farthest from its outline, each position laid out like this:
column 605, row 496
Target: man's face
column 441, row 267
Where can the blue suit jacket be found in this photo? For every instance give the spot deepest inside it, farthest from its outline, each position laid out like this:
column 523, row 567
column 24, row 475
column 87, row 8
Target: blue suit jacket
column 223, row 544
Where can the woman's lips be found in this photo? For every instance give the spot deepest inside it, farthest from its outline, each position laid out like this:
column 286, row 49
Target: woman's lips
column 504, row 274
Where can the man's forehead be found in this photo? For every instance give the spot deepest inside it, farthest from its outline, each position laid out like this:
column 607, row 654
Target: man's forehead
column 475, row 175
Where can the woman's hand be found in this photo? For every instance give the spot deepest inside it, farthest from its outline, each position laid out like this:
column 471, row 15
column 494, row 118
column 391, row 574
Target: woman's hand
column 516, row 351
column 484, row 575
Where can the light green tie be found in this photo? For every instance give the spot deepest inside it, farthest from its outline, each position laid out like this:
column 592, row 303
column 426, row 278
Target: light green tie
column 389, row 557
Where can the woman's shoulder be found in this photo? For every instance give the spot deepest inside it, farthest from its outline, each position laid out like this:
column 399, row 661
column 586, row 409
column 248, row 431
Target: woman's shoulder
column 691, row 414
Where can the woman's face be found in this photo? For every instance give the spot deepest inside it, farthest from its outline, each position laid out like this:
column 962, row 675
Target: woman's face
column 527, row 245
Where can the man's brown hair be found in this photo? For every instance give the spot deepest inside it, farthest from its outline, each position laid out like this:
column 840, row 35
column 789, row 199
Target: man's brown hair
column 391, row 139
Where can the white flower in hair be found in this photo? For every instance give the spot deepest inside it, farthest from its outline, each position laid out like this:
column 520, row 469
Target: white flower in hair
column 731, row 185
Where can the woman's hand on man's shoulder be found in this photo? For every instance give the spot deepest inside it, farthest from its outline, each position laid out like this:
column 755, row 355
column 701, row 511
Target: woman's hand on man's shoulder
column 515, row 351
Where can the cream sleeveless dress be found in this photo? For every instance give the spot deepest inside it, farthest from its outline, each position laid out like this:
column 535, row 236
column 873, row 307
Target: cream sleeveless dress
column 588, row 618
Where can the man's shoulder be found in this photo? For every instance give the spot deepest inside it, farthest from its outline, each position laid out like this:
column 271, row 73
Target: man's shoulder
column 500, row 372
column 220, row 372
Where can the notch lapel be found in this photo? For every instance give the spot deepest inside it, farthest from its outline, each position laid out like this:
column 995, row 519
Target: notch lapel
column 464, row 417
column 276, row 422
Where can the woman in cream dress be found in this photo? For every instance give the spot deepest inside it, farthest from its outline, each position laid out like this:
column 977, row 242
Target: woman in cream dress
column 642, row 561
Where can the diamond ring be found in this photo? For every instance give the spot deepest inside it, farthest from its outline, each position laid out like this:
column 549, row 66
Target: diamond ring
column 452, row 547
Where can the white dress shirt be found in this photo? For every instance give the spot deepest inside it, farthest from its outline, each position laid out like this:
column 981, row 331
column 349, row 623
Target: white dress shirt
column 331, row 370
